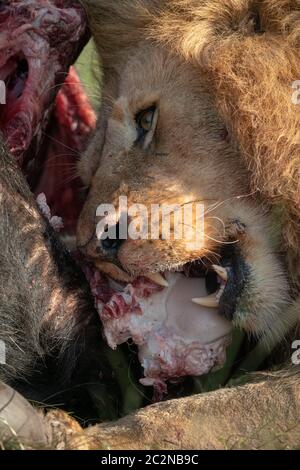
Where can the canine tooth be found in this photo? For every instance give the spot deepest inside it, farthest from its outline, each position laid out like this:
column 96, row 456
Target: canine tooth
column 158, row 279
column 209, row 301
column 113, row 271
column 220, row 292
column 222, row 272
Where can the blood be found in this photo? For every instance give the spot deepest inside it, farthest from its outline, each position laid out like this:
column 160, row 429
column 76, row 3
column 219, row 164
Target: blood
column 40, row 39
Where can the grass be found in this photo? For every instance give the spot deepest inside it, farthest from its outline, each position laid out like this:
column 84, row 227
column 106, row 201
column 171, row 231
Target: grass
column 90, row 73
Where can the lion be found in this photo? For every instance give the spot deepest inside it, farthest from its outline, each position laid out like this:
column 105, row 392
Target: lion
column 166, row 137
column 197, row 106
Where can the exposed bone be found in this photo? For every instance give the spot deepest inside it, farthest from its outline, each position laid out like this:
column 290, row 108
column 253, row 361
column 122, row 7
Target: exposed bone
column 209, row 301
column 113, row 271
column 222, row 272
column 157, row 278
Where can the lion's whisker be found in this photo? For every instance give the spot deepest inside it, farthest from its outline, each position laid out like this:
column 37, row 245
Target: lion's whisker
column 61, row 143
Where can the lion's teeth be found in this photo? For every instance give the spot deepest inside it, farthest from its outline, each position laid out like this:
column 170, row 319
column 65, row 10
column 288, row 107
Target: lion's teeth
column 222, row 272
column 209, row 301
column 113, row 271
column 157, row 278
column 220, row 292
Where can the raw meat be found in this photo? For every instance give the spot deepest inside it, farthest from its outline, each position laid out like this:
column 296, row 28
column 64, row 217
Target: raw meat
column 40, row 39
column 175, row 337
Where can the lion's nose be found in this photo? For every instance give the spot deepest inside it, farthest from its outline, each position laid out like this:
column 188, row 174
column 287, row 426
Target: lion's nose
column 112, row 242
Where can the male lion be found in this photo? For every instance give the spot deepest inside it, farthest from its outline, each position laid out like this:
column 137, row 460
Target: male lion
column 197, row 106
column 165, row 137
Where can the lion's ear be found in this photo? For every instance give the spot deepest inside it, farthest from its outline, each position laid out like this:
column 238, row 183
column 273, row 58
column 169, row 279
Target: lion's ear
column 119, row 26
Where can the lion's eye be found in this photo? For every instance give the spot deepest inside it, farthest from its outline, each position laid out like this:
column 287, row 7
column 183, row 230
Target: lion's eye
column 144, row 121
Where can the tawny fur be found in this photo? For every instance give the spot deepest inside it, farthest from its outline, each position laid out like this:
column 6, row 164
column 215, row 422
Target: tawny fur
column 247, row 53
column 249, row 50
